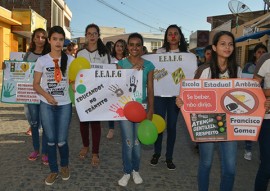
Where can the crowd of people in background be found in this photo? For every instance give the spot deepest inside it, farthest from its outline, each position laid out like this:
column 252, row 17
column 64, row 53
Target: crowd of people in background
column 53, row 114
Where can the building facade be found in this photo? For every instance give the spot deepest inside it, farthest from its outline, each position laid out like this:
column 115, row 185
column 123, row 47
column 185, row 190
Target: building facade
column 56, row 12
column 151, row 41
column 9, row 42
column 249, row 30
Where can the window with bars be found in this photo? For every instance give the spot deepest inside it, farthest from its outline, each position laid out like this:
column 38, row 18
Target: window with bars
column 156, row 44
column 238, row 55
column 57, row 15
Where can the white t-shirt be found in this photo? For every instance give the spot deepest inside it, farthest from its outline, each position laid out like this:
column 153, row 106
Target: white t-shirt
column 163, row 50
column 59, row 91
column 93, row 57
column 204, row 72
column 263, row 69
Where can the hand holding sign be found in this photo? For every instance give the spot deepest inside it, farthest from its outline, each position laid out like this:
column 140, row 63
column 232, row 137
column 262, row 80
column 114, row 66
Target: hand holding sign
column 76, row 65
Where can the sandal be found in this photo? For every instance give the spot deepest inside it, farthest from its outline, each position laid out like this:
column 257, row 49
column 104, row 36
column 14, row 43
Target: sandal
column 29, row 132
column 45, row 160
column 110, row 134
column 83, row 152
column 95, row 160
column 33, row 156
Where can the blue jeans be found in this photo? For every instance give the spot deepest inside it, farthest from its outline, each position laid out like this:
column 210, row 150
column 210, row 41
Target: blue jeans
column 228, row 152
column 27, row 114
column 55, row 121
column 131, row 148
column 34, row 116
column 248, row 146
column 111, row 124
column 263, row 174
column 163, row 106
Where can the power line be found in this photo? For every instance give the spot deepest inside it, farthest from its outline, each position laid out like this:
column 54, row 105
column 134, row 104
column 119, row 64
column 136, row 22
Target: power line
column 117, row 10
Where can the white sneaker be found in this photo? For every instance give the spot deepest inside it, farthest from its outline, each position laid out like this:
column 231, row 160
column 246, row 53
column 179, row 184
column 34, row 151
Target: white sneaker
column 124, row 180
column 136, row 177
column 248, row 155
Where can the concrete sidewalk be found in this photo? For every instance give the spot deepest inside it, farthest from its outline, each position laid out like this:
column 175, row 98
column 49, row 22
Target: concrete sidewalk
column 17, row 173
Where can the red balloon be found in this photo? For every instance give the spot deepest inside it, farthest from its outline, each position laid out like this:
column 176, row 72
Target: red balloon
column 134, row 112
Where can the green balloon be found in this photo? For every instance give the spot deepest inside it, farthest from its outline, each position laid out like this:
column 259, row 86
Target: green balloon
column 71, row 94
column 147, row 132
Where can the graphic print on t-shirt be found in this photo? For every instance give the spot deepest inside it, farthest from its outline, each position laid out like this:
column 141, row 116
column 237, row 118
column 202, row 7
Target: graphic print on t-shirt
column 54, row 88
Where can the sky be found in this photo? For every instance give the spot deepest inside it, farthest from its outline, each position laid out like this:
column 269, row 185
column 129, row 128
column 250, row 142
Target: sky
column 149, row 16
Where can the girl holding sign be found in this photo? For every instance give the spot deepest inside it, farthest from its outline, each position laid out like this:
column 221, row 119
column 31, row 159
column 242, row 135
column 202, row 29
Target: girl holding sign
column 222, row 65
column 95, row 52
column 174, row 41
column 119, row 52
column 39, row 46
column 131, row 149
column 51, row 82
column 262, row 73
column 249, row 68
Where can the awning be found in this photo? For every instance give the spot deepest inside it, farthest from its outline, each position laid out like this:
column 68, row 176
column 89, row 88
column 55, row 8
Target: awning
column 9, row 21
column 253, row 36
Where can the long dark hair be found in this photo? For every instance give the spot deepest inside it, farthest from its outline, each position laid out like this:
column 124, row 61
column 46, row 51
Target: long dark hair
column 46, row 48
column 125, row 51
column 182, row 46
column 257, row 47
column 231, row 65
column 64, row 57
column 102, row 50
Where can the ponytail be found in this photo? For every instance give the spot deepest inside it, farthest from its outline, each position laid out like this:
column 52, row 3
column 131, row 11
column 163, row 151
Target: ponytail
column 64, row 59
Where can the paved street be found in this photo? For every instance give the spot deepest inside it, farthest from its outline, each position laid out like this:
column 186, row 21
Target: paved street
column 19, row 174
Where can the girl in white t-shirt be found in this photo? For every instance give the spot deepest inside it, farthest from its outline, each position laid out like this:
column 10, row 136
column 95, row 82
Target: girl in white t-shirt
column 222, row 65
column 119, row 52
column 95, row 52
column 51, row 83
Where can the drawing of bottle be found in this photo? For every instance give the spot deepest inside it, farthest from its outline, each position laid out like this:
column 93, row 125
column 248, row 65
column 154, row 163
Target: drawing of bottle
column 12, row 67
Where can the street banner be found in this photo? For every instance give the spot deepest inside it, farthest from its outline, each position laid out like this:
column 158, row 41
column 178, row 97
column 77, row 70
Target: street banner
column 17, row 85
column 170, row 68
column 101, row 94
column 222, row 110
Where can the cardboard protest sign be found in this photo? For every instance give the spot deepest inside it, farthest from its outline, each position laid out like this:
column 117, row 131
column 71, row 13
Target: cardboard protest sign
column 18, row 81
column 170, row 68
column 222, row 110
column 17, row 86
column 101, row 94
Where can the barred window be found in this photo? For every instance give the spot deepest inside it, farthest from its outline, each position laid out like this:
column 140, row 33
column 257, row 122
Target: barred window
column 156, row 44
column 238, row 55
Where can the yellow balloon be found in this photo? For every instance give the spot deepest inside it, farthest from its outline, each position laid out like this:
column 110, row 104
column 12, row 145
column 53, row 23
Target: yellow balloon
column 76, row 65
column 159, row 122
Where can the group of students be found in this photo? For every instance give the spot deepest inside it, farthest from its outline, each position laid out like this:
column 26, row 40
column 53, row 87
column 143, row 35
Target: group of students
column 52, row 66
